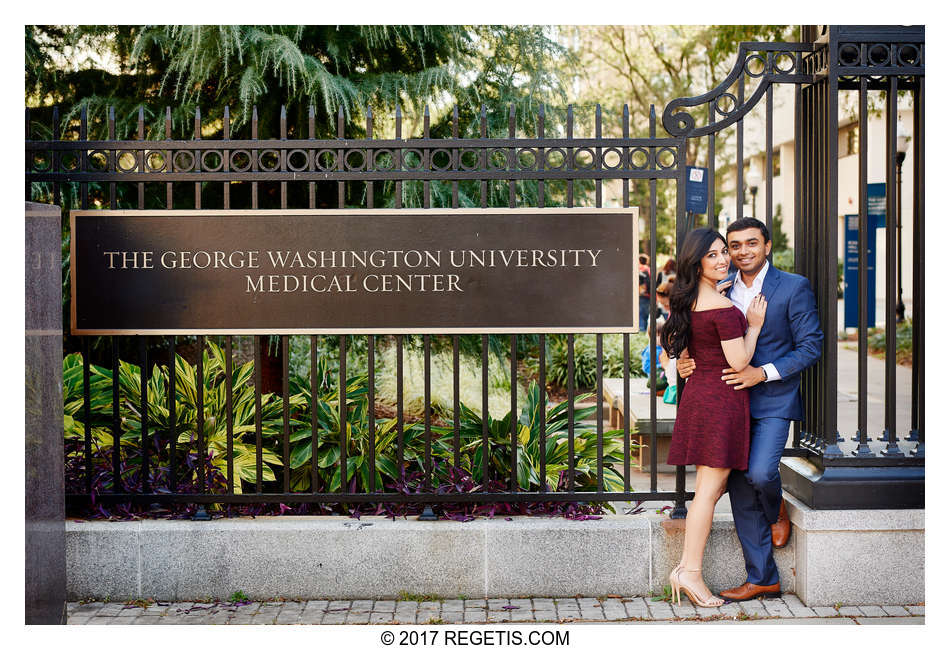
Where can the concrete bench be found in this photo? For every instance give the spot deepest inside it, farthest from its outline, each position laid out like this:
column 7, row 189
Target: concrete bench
column 639, row 409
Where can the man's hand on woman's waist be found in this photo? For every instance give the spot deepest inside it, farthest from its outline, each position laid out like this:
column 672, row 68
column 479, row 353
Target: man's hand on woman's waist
column 745, row 378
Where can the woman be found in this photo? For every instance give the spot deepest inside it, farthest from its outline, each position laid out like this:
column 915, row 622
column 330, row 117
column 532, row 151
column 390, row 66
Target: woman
column 712, row 421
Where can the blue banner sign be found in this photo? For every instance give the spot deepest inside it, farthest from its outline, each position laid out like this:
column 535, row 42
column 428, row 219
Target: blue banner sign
column 851, row 262
column 877, row 204
column 697, row 189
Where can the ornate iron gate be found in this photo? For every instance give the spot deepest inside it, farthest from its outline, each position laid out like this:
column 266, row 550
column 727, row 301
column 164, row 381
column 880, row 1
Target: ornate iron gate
column 827, row 61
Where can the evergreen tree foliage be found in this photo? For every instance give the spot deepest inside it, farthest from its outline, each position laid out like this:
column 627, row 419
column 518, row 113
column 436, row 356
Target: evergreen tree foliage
column 334, row 69
column 297, row 66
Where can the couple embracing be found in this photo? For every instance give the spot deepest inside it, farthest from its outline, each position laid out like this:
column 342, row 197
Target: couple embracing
column 742, row 341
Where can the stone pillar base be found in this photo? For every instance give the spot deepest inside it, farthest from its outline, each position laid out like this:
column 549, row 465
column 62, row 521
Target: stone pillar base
column 855, row 557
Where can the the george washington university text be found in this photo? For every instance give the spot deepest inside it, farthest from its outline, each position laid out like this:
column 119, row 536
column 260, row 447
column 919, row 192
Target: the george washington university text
column 348, row 271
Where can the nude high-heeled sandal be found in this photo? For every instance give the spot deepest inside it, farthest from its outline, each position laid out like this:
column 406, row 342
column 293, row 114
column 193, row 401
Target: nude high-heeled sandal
column 675, row 584
column 699, row 602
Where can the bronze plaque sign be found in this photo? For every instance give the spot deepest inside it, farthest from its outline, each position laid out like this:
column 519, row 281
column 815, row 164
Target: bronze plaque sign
column 354, row 271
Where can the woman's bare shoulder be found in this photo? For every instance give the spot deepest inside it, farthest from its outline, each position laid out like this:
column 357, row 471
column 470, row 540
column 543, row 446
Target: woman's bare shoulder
column 717, row 301
column 722, row 301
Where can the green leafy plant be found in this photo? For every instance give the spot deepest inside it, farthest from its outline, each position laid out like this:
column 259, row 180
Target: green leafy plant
column 325, row 407
column 214, row 426
column 528, row 431
column 371, row 453
column 238, row 597
column 419, row 598
column 666, row 595
column 585, row 358
column 877, row 341
column 442, row 382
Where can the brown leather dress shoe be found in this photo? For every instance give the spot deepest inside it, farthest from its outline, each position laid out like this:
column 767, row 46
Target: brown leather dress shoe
column 748, row 591
column 781, row 529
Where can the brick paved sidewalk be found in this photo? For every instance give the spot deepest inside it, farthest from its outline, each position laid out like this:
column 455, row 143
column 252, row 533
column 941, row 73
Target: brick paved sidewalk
column 788, row 609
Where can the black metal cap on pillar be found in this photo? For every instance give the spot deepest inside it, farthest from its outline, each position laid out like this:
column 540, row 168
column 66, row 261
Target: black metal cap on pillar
column 855, row 486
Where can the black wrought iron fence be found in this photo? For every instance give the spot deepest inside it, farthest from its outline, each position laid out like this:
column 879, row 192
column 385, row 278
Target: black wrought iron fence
column 239, row 467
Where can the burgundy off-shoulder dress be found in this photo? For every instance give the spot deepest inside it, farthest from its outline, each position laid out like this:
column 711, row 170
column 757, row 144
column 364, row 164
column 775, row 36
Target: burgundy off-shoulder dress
column 712, row 419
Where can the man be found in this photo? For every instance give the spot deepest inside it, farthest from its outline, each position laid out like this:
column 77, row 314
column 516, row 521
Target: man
column 790, row 341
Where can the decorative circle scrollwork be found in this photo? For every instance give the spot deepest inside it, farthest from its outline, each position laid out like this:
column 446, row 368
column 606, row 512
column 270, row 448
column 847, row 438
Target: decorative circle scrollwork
column 69, row 161
column 527, row 158
column 584, row 158
column 348, row 163
column 780, row 61
column 879, row 54
column 908, row 54
column 155, row 161
column 268, row 160
column 326, row 160
column 240, row 160
column 468, row 159
column 98, row 160
column 733, row 104
column 412, row 159
column 679, row 124
column 183, row 160
column 440, row 160
column 298, row 160
column 210, row 166
column 849, row 54
column 383, row 160
column 559, row 158
column 610, row 154
column 126, row 162
column 498, row 159
column 666, row 158
column 640, row 158
column 42, row 161
column 755, row 65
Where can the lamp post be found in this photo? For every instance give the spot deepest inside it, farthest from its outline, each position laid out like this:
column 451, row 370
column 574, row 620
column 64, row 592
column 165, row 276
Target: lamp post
column 903, row 142
column 754, row 179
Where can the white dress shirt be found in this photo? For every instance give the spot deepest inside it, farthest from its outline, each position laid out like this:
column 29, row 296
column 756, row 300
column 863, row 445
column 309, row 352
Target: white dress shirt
column 741, row 296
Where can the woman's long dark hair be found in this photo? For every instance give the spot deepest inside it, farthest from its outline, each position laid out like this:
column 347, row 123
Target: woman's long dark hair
column 676, row 332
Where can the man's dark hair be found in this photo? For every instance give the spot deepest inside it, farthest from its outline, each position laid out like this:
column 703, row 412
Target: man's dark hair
column 643, row 259
column 749, row 222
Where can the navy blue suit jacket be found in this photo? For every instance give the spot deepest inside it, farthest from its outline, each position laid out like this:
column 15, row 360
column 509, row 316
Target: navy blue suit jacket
column 790, row 339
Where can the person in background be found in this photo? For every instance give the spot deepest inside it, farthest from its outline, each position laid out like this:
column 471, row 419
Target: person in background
column 663, row 299
column 668, row 270
column 644, row 284
column 663, row 362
